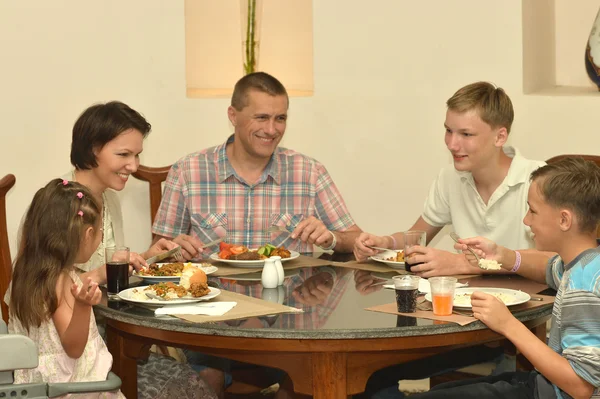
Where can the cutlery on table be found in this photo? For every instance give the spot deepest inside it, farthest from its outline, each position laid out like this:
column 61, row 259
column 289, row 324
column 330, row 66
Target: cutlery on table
column 536, row 298
column 275, row 229
column 384, row 249
column 160, row 298
column 455, row 237
column 210, row 244
column 175, row 252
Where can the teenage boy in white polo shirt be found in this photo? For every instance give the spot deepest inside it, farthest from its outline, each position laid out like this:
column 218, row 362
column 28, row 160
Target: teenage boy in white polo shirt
column 484, row 193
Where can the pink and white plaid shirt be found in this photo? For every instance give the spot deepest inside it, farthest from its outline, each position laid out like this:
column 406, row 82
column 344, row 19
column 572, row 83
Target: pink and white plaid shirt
column 204, row 197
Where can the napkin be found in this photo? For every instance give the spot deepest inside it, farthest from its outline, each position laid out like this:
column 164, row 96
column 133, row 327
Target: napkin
column 424, row 286
column 205, row 308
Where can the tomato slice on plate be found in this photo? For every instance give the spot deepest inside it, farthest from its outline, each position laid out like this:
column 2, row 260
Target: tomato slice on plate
column 238, row 249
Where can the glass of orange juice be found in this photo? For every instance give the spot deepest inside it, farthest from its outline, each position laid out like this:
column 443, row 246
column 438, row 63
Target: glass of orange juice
column 442, row 295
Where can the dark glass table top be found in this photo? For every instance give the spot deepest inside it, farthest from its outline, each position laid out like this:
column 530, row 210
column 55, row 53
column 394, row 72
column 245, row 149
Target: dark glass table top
column 335, row 310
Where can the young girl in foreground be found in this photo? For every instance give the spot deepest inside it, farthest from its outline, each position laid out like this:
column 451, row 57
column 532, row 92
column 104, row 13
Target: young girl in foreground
column 51, row 303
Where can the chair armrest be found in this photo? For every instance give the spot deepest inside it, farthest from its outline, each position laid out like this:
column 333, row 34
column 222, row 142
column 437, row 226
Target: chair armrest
column 18, row 352
column 112, row 383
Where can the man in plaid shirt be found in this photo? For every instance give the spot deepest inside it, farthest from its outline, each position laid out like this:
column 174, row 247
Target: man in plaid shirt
column 246, row 188
column 247, row 185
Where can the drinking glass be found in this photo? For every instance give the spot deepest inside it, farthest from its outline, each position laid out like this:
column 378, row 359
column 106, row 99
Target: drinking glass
column 442, row 295
column 407, row 289
column 412, row 238
column 117, row 269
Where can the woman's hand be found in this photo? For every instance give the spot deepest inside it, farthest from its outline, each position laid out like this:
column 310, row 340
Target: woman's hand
column 88, row 295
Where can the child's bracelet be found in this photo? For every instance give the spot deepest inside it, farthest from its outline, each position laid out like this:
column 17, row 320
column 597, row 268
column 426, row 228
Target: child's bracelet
column 517, row 262
column 394, row 244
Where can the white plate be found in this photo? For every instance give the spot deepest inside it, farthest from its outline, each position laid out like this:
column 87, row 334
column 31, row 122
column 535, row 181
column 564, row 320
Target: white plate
column 206, row 267
column 249, row 263
column 126, row 296
column 516, row 297
column 381, row 257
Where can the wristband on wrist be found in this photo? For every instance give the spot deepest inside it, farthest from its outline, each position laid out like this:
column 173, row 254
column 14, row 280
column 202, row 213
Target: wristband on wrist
column 517, row 262
column 394, row 243
column 333, row 243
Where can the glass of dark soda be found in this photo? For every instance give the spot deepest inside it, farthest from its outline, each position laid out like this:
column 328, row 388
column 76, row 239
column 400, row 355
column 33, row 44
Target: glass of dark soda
column 411, row 239
column 407, row 289
column 117, row 269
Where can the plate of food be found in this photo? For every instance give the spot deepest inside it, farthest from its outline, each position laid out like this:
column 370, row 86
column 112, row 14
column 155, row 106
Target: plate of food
column 391, row 258
column 462, row 296
column 172, row 271
column 241, row 256
column 192, row 288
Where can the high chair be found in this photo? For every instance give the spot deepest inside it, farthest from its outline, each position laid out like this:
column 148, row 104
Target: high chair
column 20, row 352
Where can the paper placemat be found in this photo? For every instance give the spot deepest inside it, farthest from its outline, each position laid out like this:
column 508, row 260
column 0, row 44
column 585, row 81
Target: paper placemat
column 460, row 319
column 246, row 307
column 301, row 261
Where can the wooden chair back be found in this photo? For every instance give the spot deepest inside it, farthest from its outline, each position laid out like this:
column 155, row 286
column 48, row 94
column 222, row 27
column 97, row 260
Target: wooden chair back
column 154, row 177
column 593, row 158
column 6, row 184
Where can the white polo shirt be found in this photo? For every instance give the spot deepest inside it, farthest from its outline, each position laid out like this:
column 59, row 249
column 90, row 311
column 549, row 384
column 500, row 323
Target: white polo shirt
column 453, row 199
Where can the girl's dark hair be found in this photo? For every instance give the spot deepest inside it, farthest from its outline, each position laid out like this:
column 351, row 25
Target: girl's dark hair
column 53, row 231
column 100, row 124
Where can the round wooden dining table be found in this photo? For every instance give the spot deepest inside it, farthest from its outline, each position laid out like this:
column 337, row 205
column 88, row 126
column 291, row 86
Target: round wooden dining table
column 328, row 351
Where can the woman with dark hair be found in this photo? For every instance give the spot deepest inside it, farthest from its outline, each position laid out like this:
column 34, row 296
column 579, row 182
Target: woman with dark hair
column 107, row 140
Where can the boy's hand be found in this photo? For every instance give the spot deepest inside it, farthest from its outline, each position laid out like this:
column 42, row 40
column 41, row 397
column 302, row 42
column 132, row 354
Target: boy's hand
column 483, row 247
column 89, row 294
column 491, row 311
column 362, row 251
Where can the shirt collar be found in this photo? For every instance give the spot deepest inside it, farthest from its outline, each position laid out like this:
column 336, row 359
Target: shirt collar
column 226, row 170
column 517, row 174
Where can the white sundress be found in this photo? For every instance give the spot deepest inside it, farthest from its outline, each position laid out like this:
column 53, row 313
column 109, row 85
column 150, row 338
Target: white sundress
column 54, row 363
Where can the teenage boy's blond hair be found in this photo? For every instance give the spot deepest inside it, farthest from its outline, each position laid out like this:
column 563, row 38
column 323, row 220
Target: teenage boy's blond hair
column 572, row 183
column 491, row 103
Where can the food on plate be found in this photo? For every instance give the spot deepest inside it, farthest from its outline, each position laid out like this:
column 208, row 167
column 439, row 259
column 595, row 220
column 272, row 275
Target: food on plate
column 398, row 258
column 192, row 275
column 465, row 299
column 240, row 252
column 249, row 255
column 196, row 287
column 169, row 269
column 489, row 264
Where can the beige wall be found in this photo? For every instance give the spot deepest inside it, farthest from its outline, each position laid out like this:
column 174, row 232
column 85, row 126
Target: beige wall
column 383, row 70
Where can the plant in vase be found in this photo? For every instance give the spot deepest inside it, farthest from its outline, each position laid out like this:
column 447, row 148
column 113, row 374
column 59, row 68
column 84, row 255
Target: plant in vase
column 251, row 11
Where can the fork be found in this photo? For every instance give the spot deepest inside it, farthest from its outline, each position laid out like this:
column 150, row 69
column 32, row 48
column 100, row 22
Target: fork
column 455, row 237
column 274, row 229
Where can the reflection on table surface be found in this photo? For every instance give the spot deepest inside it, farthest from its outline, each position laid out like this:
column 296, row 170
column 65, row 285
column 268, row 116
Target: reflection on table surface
column 331, row 297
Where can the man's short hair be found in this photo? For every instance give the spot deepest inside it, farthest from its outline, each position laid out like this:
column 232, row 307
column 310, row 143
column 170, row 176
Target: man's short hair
column 98, row 125
column 491, row 103
column 259, row 81
column 572, row 183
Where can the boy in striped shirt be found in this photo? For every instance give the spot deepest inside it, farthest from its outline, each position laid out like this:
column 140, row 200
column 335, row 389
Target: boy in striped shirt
column 564, row 213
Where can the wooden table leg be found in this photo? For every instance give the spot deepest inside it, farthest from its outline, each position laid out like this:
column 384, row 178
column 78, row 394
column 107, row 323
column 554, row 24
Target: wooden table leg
column 329, row 375
column 125, row 354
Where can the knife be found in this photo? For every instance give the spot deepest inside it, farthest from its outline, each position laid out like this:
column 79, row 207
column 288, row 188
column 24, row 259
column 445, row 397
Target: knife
column 176, row 252
column 210, row 244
